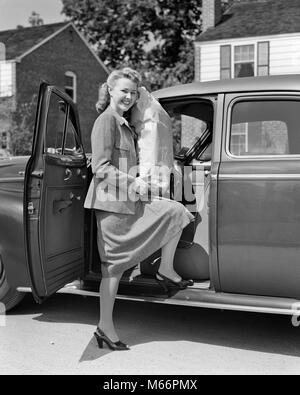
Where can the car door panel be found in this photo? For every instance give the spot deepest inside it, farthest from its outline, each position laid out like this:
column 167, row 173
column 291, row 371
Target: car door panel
column 258, row 221
column 55, row 191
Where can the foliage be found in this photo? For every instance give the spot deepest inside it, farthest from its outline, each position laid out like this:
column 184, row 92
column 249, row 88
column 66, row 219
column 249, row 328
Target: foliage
column 154, row 36
column 119, row 29
column 21, row 131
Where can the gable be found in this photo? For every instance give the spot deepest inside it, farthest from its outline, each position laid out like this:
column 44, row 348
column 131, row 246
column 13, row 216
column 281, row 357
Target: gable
column 19, row 41
column 256, row 18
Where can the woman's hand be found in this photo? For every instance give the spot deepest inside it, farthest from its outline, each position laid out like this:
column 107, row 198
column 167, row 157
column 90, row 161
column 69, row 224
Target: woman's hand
column 140, row 186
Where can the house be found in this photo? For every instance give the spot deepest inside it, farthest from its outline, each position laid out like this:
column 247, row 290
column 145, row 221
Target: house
column 251, row 38
column 57, row 53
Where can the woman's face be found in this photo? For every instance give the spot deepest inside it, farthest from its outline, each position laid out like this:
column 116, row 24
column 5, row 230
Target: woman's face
column 123, row 95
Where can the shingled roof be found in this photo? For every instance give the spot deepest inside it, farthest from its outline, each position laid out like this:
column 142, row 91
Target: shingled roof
column 19, row 41
column 256, row 18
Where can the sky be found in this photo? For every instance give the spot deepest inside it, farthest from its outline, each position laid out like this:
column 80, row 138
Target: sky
column 17, row 12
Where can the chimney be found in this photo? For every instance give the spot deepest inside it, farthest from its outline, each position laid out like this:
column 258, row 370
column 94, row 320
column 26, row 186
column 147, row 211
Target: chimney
column 211, row 13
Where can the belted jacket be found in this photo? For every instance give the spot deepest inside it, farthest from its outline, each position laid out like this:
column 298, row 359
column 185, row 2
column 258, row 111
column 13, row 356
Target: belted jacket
column 114, row 165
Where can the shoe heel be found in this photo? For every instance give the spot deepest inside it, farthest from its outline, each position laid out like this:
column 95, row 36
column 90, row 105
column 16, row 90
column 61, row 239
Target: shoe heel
column 163, row 285
column 99, row 340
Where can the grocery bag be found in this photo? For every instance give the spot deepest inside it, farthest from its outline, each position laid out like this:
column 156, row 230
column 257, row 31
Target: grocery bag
column 155, row 141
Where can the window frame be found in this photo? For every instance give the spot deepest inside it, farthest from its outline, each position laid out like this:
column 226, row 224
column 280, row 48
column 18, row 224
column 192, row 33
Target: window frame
column 2, row 139
column 263, row 97
column 245, row 134
column 70, row 112
column 194, row 151
column 69, row 115
column 243, row 62
column 9, row 87
column 74, row 87
column 232, row 47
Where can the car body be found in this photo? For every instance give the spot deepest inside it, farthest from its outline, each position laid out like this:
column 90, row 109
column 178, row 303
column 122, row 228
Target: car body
column 242, row 170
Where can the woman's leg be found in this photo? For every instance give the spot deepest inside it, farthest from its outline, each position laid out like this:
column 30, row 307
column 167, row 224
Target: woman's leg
column 167, row 258
column 108, row 290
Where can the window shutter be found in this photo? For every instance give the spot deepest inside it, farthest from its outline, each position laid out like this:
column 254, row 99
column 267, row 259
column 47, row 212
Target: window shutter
column 263, row 58
column 225, row 62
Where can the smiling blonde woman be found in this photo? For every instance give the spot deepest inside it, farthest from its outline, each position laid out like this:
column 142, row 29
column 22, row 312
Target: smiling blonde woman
column 130, row 227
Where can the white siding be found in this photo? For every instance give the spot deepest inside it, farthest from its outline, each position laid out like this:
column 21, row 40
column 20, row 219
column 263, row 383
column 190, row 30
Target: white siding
column 7, row 78
column 210, row 62
column 284, row 55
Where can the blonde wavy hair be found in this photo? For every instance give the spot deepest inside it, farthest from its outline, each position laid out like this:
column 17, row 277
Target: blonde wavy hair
column 104, row 97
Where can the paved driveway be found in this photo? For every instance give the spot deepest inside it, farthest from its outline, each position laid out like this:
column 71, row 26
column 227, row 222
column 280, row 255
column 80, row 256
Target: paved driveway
column 57, row 338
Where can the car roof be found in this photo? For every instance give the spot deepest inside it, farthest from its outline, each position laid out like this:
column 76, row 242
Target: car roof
column 248, row 84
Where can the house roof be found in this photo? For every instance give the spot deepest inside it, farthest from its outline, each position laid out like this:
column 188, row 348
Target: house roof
column 19, row 41
column 256, row 18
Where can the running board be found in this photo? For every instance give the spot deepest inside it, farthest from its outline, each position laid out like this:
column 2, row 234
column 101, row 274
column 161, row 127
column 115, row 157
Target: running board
column 206, row 299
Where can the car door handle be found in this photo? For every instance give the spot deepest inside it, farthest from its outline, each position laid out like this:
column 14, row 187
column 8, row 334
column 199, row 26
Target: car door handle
column 37, row 174
column 68, row 174
column 73, row 197
column 59, row 206
column 80, row 174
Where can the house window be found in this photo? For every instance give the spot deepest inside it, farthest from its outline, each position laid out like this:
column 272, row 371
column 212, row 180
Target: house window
column 6, row 79
column 239, row 139
column 70, row 85
column 3, row 140
column 244, row 61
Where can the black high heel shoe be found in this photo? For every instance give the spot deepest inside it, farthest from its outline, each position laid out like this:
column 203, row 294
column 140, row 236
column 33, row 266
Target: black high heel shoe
column 101, row 337
column 167, row 283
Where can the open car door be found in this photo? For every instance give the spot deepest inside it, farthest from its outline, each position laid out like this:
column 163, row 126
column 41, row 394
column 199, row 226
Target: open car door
column 55, row 186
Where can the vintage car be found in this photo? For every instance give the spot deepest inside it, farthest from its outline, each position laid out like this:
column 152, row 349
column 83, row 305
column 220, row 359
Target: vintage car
column 241, row 159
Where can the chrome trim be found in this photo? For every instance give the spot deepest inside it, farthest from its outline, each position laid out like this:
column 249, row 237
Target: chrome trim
column 11, row 180
column 262, row 157
column 259, row 176
column 178, row 302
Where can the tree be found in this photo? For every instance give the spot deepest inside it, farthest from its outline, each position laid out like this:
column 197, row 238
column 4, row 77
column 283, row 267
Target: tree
column 21, row 130
column 154, row 36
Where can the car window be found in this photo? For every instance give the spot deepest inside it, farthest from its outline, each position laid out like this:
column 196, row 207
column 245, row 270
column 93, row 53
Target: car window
column 72, row 146
column 265, row 127
column 190, row 119
column 55, row 124
column 61, row 118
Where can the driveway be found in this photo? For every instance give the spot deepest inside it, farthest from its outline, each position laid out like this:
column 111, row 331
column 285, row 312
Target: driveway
column 57, row 338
